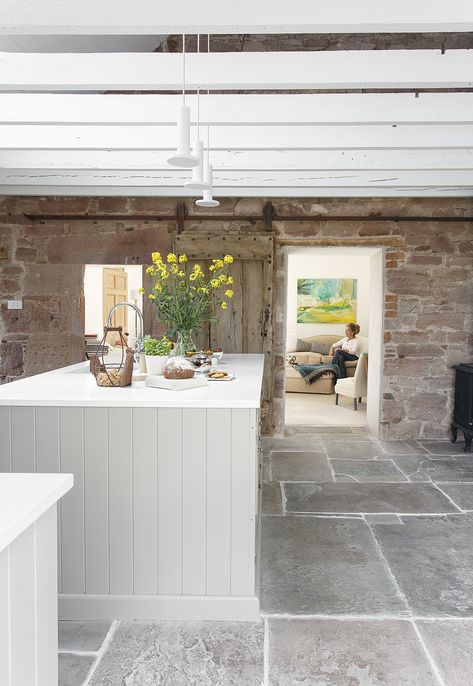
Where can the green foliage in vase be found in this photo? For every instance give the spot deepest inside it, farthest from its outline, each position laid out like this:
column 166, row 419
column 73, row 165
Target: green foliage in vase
column 152, row 346
column 185, row 296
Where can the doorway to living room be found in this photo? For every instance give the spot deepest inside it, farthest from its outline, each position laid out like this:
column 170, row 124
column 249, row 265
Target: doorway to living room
column 334, row 300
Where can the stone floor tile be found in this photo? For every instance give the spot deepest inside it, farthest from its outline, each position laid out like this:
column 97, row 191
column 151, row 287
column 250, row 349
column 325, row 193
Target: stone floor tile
column 450, row 643
column 432, row 561
column 461, row 494
column 365, row 497
column 409, row 447
column 442, row 468
column 183, row 654
column 366, row 470
column 82, row 636
column 443, row 447
column 300, row 466
column 272, row 498
column 412, row 466
column 295, row 442
column 324, row 565
column 333, row 652
column 317, row 430
column 73, row 669
column 352, row 449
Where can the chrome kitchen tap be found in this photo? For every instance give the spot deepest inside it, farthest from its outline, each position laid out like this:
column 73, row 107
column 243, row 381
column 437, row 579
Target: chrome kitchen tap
column 139, row 338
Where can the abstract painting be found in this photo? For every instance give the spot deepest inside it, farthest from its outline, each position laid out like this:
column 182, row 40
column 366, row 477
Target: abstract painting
column 326, row 301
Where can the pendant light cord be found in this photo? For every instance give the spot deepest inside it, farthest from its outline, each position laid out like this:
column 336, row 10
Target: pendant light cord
column 183, row 68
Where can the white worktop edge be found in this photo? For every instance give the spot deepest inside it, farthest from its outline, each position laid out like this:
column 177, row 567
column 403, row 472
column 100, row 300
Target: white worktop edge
column 46, row 489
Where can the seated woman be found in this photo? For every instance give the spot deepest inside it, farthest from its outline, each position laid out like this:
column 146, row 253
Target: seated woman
column 345, row 349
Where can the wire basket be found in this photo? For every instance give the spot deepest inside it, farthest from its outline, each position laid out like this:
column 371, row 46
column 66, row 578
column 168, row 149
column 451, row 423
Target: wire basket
column 113, row 374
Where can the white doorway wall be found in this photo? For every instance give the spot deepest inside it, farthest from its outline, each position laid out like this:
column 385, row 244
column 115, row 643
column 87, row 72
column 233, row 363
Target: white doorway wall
column 366, row 266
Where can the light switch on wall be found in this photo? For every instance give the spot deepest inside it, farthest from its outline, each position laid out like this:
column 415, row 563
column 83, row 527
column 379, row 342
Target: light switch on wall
column 14, row 304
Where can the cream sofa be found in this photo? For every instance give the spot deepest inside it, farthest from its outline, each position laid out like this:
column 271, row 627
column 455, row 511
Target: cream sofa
column 294, row 381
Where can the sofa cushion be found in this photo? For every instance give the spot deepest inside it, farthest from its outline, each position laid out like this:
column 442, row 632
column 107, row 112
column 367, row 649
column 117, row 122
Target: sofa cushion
column 304, row 358
column 302, row 346
column 322, row 348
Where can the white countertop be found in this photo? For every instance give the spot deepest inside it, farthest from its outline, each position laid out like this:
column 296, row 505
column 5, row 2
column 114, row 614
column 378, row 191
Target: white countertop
column 75, row 386
column 24, row 498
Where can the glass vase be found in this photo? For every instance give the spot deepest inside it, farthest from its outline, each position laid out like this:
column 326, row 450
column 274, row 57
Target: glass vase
column 184, row 343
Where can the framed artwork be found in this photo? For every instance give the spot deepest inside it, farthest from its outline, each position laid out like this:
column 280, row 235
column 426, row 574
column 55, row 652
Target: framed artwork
column 326, row 301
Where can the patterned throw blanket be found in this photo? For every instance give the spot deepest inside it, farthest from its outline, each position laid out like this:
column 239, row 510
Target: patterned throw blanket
column 312, row 372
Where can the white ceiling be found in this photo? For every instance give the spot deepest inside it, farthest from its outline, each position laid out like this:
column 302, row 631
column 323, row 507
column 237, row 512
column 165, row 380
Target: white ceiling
column 61, row 133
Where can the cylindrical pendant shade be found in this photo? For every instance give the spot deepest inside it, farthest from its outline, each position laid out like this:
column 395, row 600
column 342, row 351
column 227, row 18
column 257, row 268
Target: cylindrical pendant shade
column 197, row 183
column 207, row 199
column 183, row 158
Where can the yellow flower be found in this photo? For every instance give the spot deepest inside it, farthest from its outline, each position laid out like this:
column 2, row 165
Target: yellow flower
column 229, row 280
column 193, row 276
column 224, row 306
column 150, row 270
column 151, row 296
column 228, row 259
column 222, row 278
column 182, row 258
column 229, row 293
column 141, row 290
column 218, row 264
column 181, row 274
column 156, row 257
column 215, row 283
column 211, row 268
column 172, row 257
column 174, row 269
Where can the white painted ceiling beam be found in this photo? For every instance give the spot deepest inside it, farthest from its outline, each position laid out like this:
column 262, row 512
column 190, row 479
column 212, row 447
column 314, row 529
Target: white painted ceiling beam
column 391, row 69
column 245, row 16
column 294, row 109
column 229, row 179
column 237, row 137
column 238, row 191
column 227, row 160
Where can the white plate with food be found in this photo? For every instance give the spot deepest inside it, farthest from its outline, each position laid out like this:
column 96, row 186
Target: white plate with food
column 220, row 375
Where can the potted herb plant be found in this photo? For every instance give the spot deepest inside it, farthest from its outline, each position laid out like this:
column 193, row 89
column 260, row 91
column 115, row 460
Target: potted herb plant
column 156, row 353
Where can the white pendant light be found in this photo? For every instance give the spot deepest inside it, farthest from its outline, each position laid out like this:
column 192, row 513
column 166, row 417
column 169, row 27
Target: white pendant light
column 182, row 157
column 197, row 183
column 207, row 200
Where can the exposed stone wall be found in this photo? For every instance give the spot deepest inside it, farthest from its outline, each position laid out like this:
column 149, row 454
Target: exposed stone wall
column 428, row 284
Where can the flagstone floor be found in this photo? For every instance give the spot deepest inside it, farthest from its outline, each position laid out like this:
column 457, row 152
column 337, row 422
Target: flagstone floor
column 367, row 579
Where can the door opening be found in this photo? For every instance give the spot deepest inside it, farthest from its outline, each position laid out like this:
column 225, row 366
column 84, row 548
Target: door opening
column 329, row 289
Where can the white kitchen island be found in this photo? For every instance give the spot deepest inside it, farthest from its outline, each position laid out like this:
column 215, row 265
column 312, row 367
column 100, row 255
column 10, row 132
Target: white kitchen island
column 162, row 521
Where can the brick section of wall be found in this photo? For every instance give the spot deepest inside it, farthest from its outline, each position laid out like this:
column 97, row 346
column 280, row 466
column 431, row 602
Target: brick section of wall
column 428, row 284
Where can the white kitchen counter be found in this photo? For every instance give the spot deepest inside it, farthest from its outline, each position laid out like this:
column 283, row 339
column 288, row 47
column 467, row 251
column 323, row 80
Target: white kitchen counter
column 28, row 577
column 24, row 498
column 75, row 386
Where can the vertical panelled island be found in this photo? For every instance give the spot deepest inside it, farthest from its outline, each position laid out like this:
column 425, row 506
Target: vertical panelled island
column 162, row 521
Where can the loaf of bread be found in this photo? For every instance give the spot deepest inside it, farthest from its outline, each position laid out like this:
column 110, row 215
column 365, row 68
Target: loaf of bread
column 178, row 368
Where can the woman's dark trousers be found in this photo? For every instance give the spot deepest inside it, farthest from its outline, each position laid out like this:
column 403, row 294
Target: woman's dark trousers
column 339, row 358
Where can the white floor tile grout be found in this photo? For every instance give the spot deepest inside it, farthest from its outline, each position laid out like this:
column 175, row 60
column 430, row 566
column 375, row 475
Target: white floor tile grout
column 266, row 655
column 82, row 653
column 429, row 657
column 447, row 496
column 103, row 649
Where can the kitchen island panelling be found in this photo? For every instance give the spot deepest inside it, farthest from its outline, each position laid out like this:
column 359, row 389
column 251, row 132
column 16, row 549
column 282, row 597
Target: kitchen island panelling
column 162, row 521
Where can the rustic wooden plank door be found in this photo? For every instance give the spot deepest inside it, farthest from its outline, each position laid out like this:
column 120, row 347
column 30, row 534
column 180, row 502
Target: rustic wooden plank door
column 115, row 290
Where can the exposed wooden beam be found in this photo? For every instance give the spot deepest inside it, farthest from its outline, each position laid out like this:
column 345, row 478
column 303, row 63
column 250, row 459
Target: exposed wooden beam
column 391, row 69
column 178, row 192
column 223, row 110
column 248, row 179
column 237, row 160
column 238, row 137
column 246, row 16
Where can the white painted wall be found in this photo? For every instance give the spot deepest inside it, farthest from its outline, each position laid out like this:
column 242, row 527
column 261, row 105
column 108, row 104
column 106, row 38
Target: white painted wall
column 328, row 263
column 93, row 295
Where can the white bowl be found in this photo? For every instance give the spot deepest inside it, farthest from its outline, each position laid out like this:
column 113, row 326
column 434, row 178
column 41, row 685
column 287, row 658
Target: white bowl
column 155, row 364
